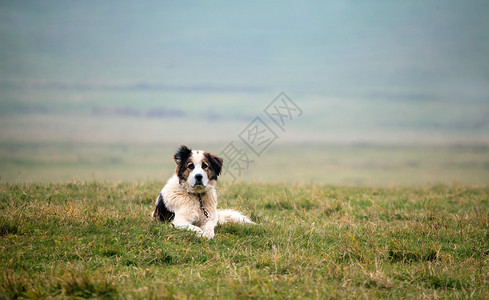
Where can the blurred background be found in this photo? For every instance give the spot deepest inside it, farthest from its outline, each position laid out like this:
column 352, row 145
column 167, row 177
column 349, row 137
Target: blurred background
column 391, row 92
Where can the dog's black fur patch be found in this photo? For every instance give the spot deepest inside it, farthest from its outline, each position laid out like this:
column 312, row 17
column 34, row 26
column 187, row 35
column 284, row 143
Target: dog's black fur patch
column 182, row 154
column 162, row 211
column 181, row 157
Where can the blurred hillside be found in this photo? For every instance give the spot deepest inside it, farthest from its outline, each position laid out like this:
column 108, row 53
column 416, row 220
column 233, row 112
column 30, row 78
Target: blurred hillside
column 80, row 75
column 149, row 116
column 399, row 71
column 409, row 50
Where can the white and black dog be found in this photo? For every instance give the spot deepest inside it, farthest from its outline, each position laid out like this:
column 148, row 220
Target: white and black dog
column 189, row 199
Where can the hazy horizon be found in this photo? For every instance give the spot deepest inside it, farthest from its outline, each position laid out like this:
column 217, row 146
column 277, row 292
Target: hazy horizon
column 109, row 89
column 411, row 50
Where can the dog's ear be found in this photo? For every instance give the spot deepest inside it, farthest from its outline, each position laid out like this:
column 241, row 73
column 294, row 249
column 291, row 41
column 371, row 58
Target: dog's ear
column 182, row 154
column 215, row 163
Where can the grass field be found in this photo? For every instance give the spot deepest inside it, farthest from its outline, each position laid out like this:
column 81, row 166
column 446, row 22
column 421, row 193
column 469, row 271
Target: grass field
column 94, row 239
column 375, row 185
column 357, row 198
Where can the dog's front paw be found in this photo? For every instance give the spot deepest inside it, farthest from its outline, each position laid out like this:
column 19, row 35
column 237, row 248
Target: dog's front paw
column 207, row 234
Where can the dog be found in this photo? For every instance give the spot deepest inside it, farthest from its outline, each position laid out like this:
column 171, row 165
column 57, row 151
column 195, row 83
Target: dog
column 189, row 198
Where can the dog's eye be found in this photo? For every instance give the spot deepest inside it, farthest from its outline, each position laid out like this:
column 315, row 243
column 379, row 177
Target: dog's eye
column 190, row 166
column 204, row 166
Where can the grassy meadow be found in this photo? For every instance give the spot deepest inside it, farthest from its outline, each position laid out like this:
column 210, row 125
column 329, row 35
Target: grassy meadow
column 376, row 184
column 349, row 203
column 94, row 239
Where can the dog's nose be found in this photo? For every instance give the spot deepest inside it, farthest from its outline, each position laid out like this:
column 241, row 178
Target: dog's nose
column 198, row 177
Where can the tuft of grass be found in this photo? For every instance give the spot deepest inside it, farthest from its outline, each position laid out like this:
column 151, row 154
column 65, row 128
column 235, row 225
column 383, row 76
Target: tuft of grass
column 8, row 226
column 97, row 240
column 83, row 285
column 12, row 287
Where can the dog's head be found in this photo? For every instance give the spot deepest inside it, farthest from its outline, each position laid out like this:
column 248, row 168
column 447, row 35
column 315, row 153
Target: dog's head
column 197, row 169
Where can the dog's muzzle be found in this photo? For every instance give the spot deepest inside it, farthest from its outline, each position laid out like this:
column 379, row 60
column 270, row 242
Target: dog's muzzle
column 199, row 180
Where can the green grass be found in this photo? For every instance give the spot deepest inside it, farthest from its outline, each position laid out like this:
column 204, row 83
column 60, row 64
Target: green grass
column 94, row 239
